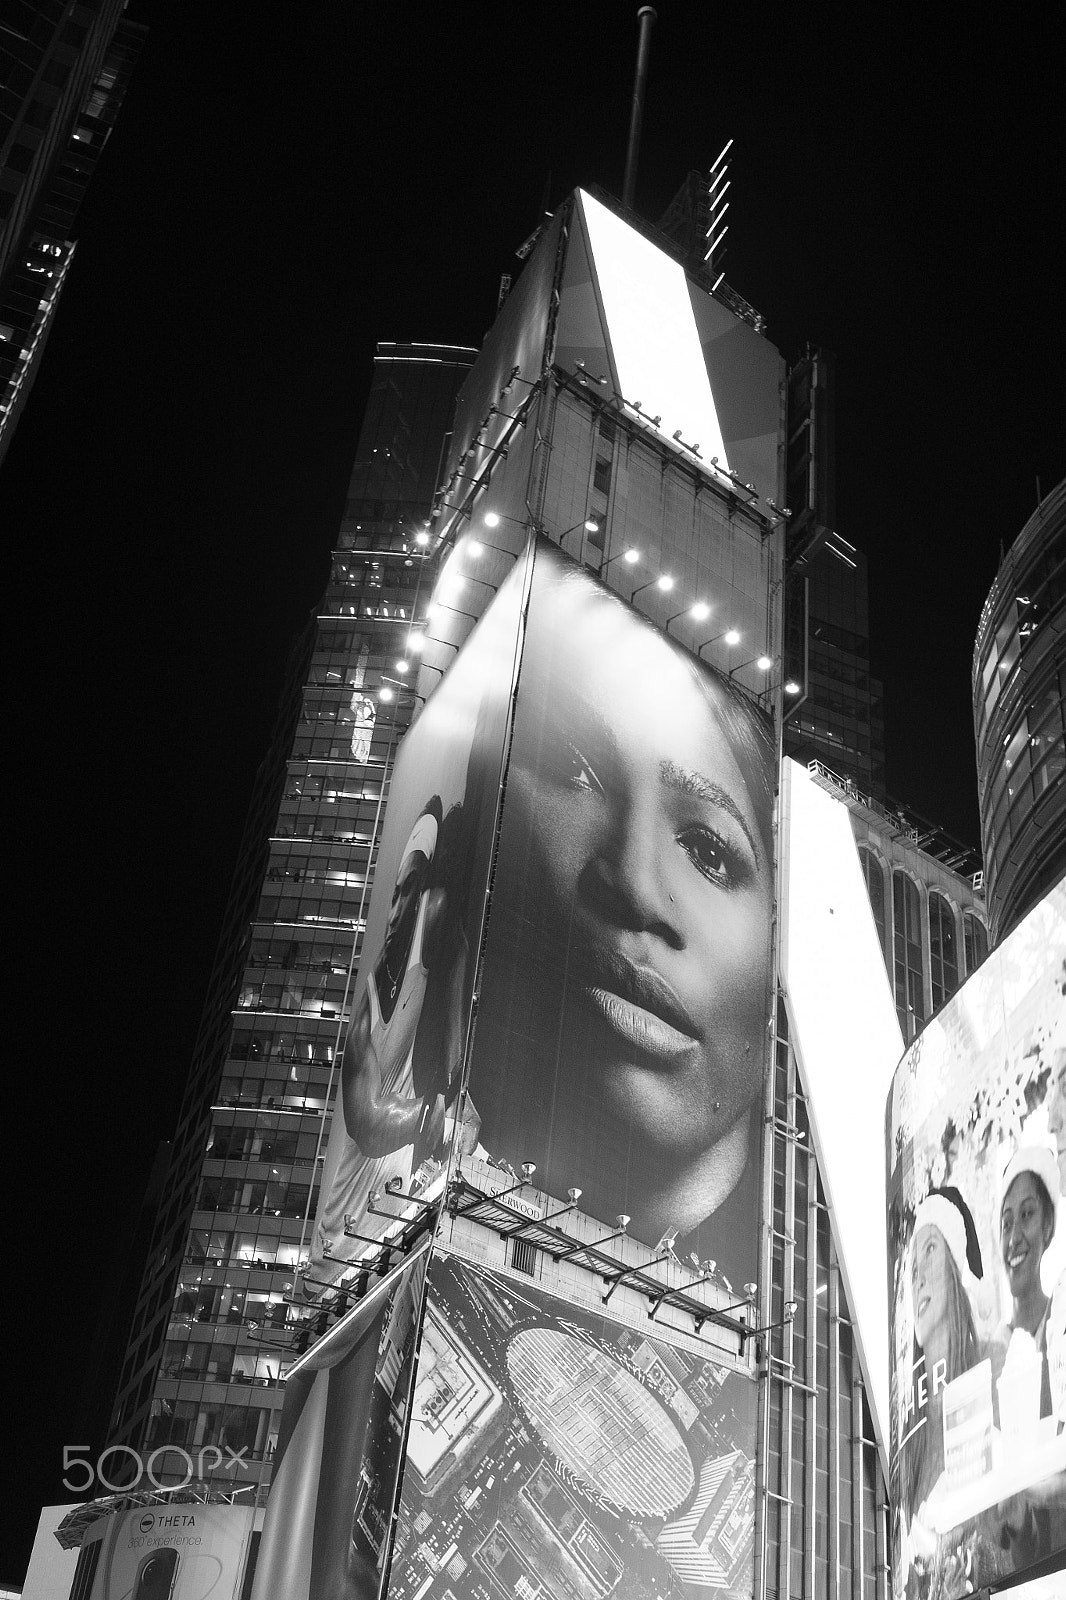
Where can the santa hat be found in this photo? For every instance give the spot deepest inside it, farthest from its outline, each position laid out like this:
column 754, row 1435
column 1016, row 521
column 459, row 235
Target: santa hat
column 946, row 1210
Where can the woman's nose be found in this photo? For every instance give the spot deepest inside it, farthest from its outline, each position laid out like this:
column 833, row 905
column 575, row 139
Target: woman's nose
column 627, row 877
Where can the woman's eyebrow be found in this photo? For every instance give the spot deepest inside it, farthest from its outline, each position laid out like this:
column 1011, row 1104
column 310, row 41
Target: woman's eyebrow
column 685, row 781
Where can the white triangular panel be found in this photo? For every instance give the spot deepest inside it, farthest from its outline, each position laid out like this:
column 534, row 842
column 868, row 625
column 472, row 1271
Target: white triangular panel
column 652, row 329
column 847, row 1040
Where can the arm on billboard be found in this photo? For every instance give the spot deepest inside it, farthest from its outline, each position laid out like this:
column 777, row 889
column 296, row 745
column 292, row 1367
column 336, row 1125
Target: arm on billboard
column 438, row 1056
column 378, row 1122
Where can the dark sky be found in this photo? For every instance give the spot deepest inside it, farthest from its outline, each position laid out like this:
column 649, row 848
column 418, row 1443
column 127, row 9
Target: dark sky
column 285, row 186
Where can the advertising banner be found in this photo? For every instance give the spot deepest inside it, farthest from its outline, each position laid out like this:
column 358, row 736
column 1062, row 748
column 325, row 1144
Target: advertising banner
column 554, row 1452
column 621, row 1035
column 336, row 1471
column 397, row 1109
column 172, row 1552
column 977, row 1241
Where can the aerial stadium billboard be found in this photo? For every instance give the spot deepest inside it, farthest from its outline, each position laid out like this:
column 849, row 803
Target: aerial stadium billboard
column 550, row 1446
column 976, row 1152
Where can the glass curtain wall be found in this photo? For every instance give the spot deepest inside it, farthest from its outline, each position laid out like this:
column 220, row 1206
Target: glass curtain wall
column 215, row 1380
column 824, row 1504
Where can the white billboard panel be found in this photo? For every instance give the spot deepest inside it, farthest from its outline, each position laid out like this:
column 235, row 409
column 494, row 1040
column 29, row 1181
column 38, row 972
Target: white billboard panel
column 654, row 338
column 847, row 1040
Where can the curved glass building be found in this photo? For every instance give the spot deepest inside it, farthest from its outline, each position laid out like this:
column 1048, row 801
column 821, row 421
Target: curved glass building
column 1019, row 681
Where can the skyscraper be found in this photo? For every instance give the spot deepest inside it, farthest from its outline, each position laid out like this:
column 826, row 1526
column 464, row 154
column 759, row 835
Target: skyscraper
column 208, row 1338
column 66, row 69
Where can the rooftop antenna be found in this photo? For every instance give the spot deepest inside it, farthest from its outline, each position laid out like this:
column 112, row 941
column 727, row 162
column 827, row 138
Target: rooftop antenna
column 646, row 17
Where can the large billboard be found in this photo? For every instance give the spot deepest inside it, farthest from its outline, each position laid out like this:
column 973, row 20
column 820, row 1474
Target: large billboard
column 561, row 1453
column 397, row 1110
column 977, row 1240
column 621, row 1033
column 701, row 379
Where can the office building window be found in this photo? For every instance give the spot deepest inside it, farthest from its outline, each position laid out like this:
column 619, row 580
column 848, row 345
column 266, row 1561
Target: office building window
column 943, row 950
column 874, row 874
column 907, row 941
column 976, row 940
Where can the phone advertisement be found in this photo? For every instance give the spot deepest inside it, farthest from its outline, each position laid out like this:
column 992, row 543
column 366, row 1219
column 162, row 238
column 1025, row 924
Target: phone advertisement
column 173, row 1551
column 977, row 1282
column 398, row 1112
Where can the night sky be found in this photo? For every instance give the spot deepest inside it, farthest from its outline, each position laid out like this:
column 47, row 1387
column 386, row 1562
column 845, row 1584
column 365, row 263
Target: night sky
column 286, row 185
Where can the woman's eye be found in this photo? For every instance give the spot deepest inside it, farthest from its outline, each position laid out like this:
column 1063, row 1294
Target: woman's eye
column 711, row 856
column 575, row 769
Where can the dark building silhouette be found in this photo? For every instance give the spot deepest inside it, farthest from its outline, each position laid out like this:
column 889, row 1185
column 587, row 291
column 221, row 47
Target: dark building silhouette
column 65, row 69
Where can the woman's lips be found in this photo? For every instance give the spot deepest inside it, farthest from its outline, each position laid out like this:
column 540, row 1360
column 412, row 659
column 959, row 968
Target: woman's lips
column 641, row 1007
column 643, row 1029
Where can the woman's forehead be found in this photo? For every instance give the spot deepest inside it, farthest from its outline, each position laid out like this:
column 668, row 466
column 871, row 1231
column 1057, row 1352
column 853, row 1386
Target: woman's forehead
column 1023, row 1188
column 926, row 1235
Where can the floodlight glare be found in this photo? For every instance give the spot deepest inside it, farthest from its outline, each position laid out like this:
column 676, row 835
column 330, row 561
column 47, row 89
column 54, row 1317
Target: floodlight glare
column 700, row 611
column 492, row 519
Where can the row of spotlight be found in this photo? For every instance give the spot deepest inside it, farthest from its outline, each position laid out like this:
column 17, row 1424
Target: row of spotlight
column 699, row 611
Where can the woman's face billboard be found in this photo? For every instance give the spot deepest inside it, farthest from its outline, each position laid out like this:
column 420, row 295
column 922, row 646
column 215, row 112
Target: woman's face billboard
column 620, row 1040
column 978, row 1275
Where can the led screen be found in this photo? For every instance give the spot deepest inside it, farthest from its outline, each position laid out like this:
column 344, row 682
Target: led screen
column 620, row 1042
column 555, row 1452
column 977, row 1245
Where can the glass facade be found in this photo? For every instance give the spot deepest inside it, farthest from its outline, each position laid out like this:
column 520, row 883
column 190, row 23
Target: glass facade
column 1019, row 694
column 824, row 1502
column 209, row 1347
